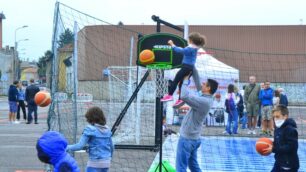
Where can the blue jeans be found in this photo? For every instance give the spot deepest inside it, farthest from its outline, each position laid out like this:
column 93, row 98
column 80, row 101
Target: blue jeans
column 91, row 169
column 32, row 108
column 232, row 118
column 186, row 155
column 244, row 120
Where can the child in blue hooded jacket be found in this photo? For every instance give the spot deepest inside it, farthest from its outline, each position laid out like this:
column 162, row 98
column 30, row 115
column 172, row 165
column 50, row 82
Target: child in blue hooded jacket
column 51, row 149
column 97, row 136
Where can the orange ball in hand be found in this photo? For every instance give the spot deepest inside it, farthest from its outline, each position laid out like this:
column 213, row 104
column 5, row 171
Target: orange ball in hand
column 262, row 144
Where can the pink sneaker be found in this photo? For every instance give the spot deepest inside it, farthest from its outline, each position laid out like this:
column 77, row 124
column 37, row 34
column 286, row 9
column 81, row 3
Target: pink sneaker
column 178, row 104
column 166, row 98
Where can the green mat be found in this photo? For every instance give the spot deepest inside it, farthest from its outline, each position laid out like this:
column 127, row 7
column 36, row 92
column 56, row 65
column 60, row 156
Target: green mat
column 166, row 167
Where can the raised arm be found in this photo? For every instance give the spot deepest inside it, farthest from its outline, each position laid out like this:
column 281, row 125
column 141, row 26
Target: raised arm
column 82, row 142
column 80, row 145
column 192, row 100
column 185, row 51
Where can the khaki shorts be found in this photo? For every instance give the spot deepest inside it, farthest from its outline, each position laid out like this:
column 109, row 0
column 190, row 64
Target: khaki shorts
column 266, row 112
column 252, row 109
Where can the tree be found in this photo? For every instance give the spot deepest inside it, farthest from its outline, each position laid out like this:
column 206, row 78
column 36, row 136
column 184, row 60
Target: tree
column 120, row 23
column 42, row 63
column 66, row 38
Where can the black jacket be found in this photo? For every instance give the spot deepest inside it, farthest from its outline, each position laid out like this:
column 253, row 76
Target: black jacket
column 283, row 100
column 285, row 145
column 30, row 94
column 13, row 93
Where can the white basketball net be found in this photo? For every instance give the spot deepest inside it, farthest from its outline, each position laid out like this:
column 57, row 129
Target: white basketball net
column 161, row 83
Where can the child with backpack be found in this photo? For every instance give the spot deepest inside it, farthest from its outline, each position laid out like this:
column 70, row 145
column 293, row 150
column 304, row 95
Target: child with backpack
column 231, row 108
column 241, row 111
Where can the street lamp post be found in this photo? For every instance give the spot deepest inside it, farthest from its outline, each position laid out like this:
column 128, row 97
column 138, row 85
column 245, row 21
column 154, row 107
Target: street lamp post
column 16, row 43
column 16, row 62
column 22, row 27
column 16, row 59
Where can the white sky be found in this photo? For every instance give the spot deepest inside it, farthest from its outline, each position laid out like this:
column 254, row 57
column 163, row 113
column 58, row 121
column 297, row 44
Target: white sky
column 38, row 15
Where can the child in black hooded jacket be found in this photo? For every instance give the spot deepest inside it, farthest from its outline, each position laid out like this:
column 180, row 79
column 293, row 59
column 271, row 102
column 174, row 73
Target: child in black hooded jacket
column 285, row 145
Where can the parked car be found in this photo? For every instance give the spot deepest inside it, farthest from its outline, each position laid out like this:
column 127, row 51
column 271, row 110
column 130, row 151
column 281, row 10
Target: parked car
column 24, row 83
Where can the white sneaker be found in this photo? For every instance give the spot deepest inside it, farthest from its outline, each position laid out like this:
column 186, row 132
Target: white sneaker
column 254, row 132
column 16, row 122
column 249, row 131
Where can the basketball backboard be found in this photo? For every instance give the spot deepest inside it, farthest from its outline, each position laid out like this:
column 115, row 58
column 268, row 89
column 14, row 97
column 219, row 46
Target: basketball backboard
column 164, row 56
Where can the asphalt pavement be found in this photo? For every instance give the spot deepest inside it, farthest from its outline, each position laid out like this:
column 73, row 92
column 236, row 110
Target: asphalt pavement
column 18, row 152
column 17, row 142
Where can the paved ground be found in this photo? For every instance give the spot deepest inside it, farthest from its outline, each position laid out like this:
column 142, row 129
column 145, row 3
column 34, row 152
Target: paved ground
column 17, row 144
column 17, row 141
column 18, row 153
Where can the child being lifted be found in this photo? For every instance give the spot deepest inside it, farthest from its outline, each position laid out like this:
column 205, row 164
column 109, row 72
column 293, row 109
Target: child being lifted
column 195, row 41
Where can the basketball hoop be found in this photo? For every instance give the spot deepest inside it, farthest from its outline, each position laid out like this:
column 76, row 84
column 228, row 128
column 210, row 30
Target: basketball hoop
column 161, row 83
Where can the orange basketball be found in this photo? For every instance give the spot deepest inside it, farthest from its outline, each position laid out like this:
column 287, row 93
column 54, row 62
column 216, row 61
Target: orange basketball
column 263, row 143
column 146, row 57
column 42, row 98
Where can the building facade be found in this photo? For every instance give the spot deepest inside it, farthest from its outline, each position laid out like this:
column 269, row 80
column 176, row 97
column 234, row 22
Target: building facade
column 274, row 53
column 7, row 69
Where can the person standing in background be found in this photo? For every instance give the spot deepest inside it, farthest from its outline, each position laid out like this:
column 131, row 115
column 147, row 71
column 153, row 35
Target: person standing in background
column 276, row 98
column 266, row 99
column 283, row 100
column 21, row 104
column 13, row 102
column 259, row 120
column 31, row 91
column 231, row 105
column 251, row 97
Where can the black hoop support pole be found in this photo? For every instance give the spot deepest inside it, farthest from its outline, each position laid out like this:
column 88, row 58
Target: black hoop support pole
column 159, row 104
